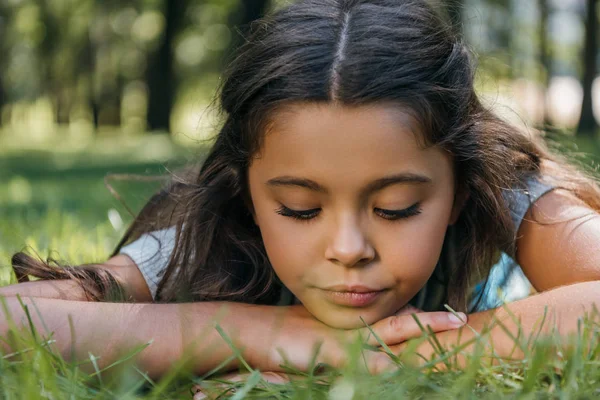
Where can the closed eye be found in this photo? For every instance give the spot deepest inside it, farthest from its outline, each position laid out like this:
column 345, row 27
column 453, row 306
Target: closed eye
column 393, row 215
column 390, row 215
column 302, row 215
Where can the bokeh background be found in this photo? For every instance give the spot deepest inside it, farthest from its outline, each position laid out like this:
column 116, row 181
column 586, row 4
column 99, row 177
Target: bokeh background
column 92, row 87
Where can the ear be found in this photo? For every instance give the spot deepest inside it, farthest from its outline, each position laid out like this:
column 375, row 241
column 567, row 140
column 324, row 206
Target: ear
column 460, row 199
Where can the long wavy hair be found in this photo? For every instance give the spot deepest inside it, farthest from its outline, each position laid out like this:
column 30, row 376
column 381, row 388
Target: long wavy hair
column 351, row 52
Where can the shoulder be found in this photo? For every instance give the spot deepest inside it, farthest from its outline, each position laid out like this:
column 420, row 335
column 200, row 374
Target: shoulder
column 151, row 253
column 557, row 241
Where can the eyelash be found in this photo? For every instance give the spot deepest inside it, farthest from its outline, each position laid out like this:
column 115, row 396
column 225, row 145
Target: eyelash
column 390, row 215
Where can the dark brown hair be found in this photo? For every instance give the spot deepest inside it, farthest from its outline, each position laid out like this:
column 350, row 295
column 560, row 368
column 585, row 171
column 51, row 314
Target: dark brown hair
column 353, row 52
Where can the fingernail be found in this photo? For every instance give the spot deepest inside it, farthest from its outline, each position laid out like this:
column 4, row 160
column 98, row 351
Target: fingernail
column 458, row 319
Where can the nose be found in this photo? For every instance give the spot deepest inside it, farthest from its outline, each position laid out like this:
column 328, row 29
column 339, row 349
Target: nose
column 349, row 246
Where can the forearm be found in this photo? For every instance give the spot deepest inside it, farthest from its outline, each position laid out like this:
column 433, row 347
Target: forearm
column 109, row 330
column 565, row 306
column 65, row 289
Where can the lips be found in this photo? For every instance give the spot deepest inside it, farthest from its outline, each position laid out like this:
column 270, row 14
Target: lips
column 352, row 296
column 352, row 289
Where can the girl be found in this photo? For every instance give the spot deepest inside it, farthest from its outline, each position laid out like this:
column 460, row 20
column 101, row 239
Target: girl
column 356, row 175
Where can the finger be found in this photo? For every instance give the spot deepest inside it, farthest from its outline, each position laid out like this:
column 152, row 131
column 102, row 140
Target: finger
column 400, row 328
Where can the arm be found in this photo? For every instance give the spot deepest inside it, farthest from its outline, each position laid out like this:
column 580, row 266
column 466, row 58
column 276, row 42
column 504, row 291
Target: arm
column 187, row 330
column 565, row 305
column 557, row 248
column 108, row 330
column 121, row 266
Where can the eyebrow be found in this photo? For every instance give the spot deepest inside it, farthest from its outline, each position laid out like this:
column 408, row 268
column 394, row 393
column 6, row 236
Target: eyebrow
column 379, row 184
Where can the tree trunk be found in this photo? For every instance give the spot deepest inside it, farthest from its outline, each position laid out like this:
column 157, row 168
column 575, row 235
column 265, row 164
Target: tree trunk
column 54, row 87
column 87, row 69
column 240, row 21
column 587, row 123
column 504, row 33
column 2, row 96
column 545, row 59
column 4, row 49
column 161, row 75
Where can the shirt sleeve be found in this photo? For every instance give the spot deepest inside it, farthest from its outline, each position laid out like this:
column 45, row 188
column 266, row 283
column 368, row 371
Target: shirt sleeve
column 506, row 281
column 520, row 200
column 151, row 253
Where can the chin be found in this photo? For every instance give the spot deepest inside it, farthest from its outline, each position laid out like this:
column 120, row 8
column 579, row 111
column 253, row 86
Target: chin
column 350, row 319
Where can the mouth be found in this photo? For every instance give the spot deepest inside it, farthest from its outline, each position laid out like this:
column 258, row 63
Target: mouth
column 352, row 289
column 353, row 296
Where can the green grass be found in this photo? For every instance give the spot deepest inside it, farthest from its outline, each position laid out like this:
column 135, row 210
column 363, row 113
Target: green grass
column 38, row 369
column 54, row 202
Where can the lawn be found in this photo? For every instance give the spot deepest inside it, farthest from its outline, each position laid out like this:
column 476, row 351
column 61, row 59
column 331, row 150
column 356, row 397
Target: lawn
column 57, row 199
column 53, row 201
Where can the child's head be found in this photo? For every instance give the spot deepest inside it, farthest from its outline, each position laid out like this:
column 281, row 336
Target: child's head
column 351, row 94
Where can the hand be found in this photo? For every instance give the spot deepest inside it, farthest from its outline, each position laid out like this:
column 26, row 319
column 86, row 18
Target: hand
column 212, row 390
column 294, row 334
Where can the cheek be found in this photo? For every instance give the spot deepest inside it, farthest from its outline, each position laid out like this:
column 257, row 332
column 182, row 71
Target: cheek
column 289, row 245
column 413, row 250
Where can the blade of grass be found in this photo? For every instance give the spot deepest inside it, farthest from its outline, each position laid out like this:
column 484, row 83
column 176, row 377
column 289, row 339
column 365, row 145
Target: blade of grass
column 95, row 364
column 251, row 382
column 124, row 358
column 385, row 347
column 236, row 351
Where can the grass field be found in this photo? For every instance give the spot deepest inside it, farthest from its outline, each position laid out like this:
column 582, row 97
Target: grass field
column 57, row 199
column 54, row 201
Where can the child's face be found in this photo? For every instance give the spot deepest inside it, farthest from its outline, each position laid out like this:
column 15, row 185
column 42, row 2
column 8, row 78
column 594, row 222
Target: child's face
column 326, row 162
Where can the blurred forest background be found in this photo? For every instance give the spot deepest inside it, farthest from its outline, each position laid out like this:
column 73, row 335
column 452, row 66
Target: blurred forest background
column 84, row 67
column 90, row 87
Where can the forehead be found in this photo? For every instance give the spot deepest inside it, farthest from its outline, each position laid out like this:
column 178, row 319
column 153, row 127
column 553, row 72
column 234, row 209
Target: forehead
column 336, row 142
